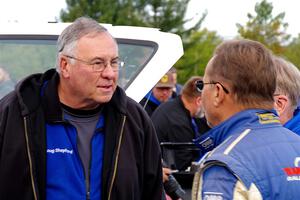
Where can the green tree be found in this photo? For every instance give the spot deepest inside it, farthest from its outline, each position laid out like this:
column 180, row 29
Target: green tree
column 168, row 15
column 201, row 45
column 292, row 52
column 118, row 12
column 265, row 28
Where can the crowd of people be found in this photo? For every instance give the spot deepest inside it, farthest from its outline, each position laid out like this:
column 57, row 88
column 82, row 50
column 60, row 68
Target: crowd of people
column 72, row 133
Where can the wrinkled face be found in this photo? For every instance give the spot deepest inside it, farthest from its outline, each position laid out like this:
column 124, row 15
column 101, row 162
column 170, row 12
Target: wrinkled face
column 89, row 87
column 162, row 94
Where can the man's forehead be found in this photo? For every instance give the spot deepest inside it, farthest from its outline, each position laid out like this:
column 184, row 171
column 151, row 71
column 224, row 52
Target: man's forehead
column 94, row 36
column 102, row 42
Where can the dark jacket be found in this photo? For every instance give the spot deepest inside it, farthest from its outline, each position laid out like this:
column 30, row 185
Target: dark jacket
column 173, row 123
column 131, row 164
column 149, row 105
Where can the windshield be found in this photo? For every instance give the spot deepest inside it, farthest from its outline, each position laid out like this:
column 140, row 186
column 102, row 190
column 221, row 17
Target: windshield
column 20, row 57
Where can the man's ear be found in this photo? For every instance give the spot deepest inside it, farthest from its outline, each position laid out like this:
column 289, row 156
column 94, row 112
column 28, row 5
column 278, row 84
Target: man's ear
column 281, row 103
column 219, row 95
column 64, row 67
column 198, row 101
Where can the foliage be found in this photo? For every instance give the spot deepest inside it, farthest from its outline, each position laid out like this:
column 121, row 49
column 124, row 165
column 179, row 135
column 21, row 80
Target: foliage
column 168, row 15
column 117, row 12
column 265, row 28
column 292, row 52
column 201, row 46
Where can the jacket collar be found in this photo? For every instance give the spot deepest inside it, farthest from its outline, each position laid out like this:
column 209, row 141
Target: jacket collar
column 293, row 123
column 235, row 125
column 43, row 88
column 28, row 91
column 51, row 103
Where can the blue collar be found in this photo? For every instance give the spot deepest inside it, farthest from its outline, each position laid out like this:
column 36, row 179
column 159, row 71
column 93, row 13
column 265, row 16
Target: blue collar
column 151, row 98
column 293, row 123
column 231, row 126
column 154, row 100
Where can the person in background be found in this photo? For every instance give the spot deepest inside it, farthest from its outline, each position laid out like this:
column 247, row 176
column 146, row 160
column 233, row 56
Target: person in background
column 161, row 93
column 6, row 84
column 72, row 133
column 178, row 87
column 287, row 94
column 180, row 120
column 254, row 156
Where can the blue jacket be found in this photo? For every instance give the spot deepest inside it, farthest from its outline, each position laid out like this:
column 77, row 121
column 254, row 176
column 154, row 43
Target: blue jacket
column 65, row 175
column 253, row 152
column 294, row 123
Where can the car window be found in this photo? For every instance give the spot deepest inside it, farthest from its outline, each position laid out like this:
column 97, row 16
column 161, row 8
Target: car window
column 21, row 56
column 135, row 54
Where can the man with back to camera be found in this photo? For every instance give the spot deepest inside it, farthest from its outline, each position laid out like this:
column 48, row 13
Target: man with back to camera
column 254, row 157
column 287, row 94
column 73, row 133
column 179, row 120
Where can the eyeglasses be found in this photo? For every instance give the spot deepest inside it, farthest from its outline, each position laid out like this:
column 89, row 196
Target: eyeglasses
column 99, row 65
column 200, row 85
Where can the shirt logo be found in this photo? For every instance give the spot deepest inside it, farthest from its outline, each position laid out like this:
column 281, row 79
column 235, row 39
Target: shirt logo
column 207, row 143
column 58, row 150
column 267, row 118
column 293, row 173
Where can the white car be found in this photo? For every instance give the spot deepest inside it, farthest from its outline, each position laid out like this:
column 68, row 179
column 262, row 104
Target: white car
column 30, row 48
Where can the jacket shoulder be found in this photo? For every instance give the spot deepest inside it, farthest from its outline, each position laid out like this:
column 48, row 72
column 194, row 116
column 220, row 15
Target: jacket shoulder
column 135, row 109
column 8, row 101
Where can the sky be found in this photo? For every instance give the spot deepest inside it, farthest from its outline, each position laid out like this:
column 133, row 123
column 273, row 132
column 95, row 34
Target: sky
column 222, row 14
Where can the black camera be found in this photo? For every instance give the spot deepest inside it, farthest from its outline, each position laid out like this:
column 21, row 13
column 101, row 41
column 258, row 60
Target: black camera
column 173, row 188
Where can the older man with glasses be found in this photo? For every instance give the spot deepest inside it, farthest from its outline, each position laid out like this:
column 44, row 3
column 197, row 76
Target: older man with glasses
column 72, row 133
column 249, row 154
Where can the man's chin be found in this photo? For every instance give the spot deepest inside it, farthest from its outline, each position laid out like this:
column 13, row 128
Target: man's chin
column 103, row 99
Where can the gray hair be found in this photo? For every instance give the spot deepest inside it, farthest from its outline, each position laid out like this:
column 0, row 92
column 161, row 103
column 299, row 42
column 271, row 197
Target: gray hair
column 288, row 80
column 79, row 28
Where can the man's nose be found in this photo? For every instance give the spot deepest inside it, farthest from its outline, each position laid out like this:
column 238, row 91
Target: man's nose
column 109, row 72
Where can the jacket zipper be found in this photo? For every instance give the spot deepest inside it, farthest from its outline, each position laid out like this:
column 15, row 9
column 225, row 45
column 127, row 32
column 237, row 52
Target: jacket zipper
column 88, row 188
column 29, row 159
column 86, row 176
column 117, row 158
column 88, row 193
column 86, row 182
